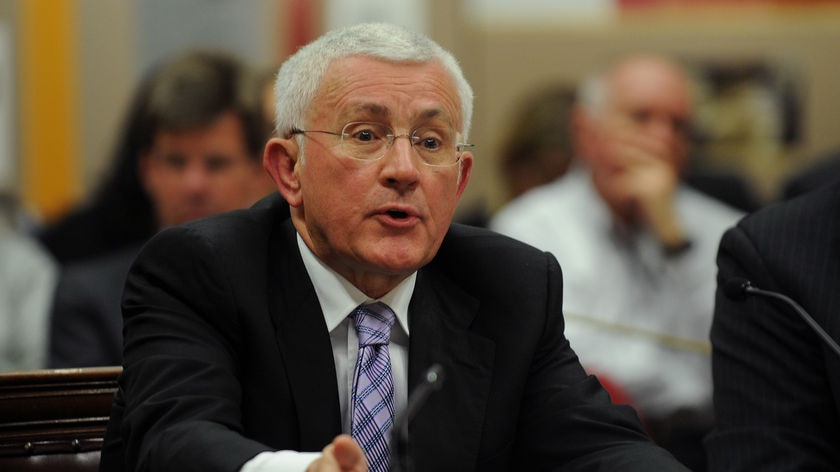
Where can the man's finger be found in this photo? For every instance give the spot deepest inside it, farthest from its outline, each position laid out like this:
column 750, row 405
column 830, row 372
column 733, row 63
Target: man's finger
column 348, row 453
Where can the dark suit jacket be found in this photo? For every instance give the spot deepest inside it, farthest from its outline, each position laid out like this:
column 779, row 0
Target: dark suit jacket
column 86, row 323
column 777, row 385
column 227, row 355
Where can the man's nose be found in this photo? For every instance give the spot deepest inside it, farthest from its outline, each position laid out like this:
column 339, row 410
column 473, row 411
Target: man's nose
column 401, row 161
column 403, row 149
column 195, row 178
column 396, row 138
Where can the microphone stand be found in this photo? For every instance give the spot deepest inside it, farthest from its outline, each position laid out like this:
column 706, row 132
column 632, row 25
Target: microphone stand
column 432, row 380
column 738, row 288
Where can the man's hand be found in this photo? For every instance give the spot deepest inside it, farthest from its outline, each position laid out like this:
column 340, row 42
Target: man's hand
column 342, row 455
column 638, row 176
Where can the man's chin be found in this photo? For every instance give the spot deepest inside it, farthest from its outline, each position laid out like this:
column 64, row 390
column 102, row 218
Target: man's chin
column 195, row 215
column 396, row 262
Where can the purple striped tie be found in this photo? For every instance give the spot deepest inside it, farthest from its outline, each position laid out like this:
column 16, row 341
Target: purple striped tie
column 373, row 387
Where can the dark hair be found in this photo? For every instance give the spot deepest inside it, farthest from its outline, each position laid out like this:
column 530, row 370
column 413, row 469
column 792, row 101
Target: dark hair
column 186, row 91
column 539, row 147
column 196, row 88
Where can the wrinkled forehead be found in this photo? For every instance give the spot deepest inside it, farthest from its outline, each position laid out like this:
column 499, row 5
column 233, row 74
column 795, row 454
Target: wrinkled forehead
column 653, row 86
column 362, row 87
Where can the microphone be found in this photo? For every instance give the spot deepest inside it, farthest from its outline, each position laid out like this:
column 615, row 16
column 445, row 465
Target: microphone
column 432, row 380
column 737, row 288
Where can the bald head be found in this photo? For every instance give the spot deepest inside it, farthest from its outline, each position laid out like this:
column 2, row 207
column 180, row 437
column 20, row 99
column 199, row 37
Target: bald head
column 639, row 81
column 647, row 93
column 651, row 88
column 632, row 130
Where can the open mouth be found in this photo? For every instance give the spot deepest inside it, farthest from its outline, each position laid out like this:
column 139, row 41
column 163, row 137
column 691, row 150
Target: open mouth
column 397, row 214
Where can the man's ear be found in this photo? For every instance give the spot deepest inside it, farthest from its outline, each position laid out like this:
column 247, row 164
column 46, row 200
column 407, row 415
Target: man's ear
column 280, row 159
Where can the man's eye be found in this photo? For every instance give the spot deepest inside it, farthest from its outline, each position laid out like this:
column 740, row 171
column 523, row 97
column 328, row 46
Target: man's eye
column 681, row 126
column 218, row 163
column 641, row 117
column 430, row 144
column 431, row 139
column 174, row 161
column 365, row 136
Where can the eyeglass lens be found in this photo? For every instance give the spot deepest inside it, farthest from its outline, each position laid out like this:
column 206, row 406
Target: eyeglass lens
column 368, row 141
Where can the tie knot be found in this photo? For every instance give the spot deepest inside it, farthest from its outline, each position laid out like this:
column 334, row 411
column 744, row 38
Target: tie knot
column 373, row 323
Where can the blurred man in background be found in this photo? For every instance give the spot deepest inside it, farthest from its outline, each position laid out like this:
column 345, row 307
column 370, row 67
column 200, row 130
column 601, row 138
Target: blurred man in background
column 636, row 246
column 197, row 134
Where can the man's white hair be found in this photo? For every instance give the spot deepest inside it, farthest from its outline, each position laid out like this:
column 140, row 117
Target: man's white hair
column 301, row 74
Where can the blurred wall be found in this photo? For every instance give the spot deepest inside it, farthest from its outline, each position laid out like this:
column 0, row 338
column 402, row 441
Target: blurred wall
column 506, row 49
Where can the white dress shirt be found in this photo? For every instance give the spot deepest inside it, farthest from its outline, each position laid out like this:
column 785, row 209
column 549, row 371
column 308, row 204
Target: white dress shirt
column 338, row 298
column 633, row 314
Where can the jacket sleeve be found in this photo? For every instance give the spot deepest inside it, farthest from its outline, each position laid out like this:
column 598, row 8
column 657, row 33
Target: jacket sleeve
column 180, row 381
column 773, row 406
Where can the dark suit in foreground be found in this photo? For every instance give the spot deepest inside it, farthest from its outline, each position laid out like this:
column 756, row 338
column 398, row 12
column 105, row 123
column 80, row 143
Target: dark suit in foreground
column 777, row 385
column 227, row 355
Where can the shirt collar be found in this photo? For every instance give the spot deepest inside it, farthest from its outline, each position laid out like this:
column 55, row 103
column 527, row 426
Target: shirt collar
column 338, row 297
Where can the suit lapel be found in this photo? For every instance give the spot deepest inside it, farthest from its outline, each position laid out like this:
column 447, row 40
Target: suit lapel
column 439, row 318
column 304, row 342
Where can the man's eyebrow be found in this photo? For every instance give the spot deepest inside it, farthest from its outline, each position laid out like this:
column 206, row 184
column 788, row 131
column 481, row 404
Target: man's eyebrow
column 379, row 111
column 429, row 114
column 371, row 109
column 169, row 156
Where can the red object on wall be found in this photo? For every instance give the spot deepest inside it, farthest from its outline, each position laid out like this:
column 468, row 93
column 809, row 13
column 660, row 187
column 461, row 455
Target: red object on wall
column 299, row 24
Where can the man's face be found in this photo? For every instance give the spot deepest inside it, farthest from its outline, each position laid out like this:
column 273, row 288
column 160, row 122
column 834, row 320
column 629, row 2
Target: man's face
column 653, row 102
column 199, row 172
column 384, row 218
column 640, row 138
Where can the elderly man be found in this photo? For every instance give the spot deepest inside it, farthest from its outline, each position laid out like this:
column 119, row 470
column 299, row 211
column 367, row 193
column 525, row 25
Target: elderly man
column 254, row 342
column 637, row 248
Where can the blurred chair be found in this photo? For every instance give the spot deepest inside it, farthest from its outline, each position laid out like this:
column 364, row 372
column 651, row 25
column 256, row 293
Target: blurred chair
column 730, row 188
column 822, row 171
column 55, row 420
